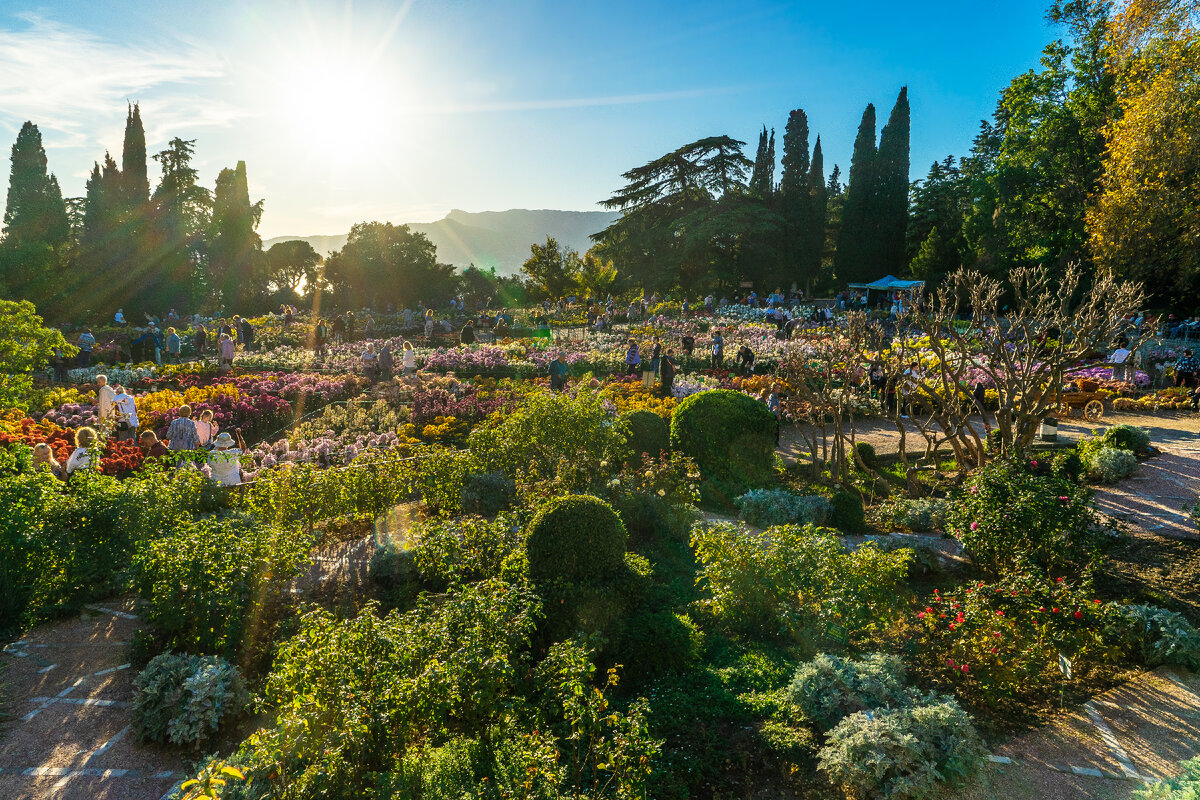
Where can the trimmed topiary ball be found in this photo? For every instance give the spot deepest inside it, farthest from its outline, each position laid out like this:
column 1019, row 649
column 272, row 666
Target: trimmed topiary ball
column 730, row 435
column 645, row 432
column 576, row 537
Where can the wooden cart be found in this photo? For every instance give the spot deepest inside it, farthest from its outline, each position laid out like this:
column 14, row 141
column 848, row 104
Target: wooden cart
column 1090, row 405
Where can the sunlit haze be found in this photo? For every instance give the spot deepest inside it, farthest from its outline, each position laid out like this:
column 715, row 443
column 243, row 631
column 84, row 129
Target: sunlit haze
column 402, row 111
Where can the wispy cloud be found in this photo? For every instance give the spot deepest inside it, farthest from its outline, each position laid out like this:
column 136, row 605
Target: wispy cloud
column 72, row 82
column 575, row 102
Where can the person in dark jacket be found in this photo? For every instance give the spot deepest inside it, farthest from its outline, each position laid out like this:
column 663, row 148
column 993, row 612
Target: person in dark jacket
column 666, row 373
column 467, row 336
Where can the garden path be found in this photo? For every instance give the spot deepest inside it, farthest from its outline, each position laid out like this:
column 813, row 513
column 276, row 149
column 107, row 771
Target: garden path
column 1106, row 749
column 67, row 736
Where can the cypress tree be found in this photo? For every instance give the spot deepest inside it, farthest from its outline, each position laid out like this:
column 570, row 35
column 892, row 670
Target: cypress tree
column 796, row 199
column 892, row 198
column 134, row 175
column 762, row 179
column 35, row 213
column 814, row 244
column 234, row 248
column 854, row 260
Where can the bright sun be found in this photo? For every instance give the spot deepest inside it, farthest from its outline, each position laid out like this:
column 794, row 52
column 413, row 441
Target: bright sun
column 339, row 106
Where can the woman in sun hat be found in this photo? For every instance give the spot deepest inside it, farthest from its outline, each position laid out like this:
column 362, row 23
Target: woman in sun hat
column 225, row 461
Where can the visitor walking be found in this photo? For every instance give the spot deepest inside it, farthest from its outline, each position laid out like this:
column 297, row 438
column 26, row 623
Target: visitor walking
column 370, row 361
column 410, row 358
column 666, row 373
column 85, row 344
column 104, row 398
column 1186, row 368
column 206, row 429
column 429, row 323
column 200, row 340
column 718, row 350
column 559, row 372
column 227, row 350
column 182, row 436
column 633, row 359
column 467, row 336
column 172, row 346
column 126, row 414
column 386, row 363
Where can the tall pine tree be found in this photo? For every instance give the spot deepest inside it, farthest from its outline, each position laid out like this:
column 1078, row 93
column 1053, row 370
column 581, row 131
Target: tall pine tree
column 814, row 241
column 180, row 214
column 762, row 179
column 104, row 260
column 36, row 226
column 854, row 260
column 891, row 202
column 796, row 200
column 134, row 169
column 235, row 256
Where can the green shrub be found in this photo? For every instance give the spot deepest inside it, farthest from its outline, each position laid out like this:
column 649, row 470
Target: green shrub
column 351, row 696
column 732, row 438
column 468, row 549
column 393, row 571
column 828, row 688
column 1127, row 437
column 918, row 515
column 1184, row 787
column 797, row 581
column 1068, row 466
column 866, row 451
column 645, row 433
column 997, row 644
column 848, row 513
column 1104, row 464
column 1009, row 518
column 655, row 642
column 218, row 587
column 575, row 538
column 904, row 753
column 766, row 507
column 1159, row 636
column 186, row 699
column 486, row 493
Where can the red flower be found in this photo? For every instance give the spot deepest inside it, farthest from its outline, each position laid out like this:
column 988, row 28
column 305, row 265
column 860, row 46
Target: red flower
column 1078, row 615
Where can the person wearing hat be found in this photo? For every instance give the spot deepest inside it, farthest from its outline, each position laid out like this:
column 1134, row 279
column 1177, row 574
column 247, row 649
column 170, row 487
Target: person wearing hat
column 225, row 460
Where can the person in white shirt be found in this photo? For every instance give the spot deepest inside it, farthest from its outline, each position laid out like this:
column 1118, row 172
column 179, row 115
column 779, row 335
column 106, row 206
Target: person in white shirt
column 85, row 439
column 225, row 461
column 105, row 397
column 1121, row 362
column 126, row 413
column 410, row 358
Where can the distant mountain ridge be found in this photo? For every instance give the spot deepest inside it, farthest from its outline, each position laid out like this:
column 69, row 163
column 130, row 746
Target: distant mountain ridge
column 487, row 239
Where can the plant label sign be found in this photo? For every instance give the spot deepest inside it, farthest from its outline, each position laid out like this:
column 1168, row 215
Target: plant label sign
column 1064, row 665
column 837, row 633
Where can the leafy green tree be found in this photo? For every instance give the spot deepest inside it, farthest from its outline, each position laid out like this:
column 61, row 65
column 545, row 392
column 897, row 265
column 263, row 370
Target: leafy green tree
column 383, row 263
column 891, row 199
column 25, row 346
column 852, row 260
column 180, row 215
column 596, row 275
column 552, row 269
column 235, row 259
column 937, row 203
column 293, row 265
column 1034, row 169
column 684, row 216
column 1145, row 224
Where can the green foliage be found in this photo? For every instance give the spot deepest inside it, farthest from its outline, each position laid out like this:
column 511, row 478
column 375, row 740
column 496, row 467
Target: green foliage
column 393, row 572
column 992, row 644
column 1127, row 437
column 766, row 507
column 468, row 549
column 796, row 581
column 218, row 587
column 866, row 451
column 25, row 346
column 575, row 538
column 546, row 436
column 656, row 642
column 1105, row 464
column 185, row 699
column 1158, row 636
column 654, row 499
column 486, row 493
column 829, row 687
column 730, row 436
column 645, row 433
column 918, row 515
column 352, row 695
column 848, row 513
column 1184, row 787
column 383, row 263
column 61, row 549
column 1010, row 517
column 904, row 753
column 552, row 269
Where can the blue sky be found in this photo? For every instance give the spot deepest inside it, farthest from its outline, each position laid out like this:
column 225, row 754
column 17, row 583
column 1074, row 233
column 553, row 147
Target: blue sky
column 401, row 111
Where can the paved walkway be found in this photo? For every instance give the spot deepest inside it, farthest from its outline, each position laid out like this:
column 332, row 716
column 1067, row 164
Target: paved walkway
column 68, row 686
